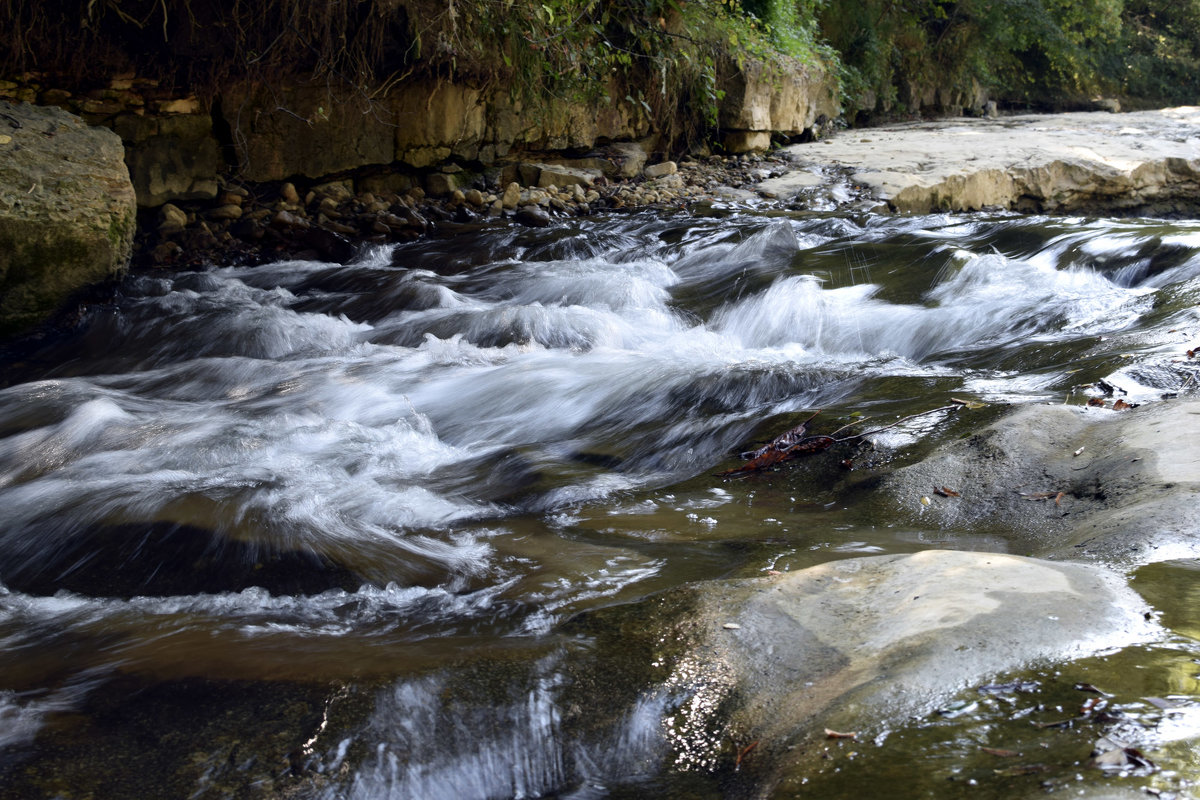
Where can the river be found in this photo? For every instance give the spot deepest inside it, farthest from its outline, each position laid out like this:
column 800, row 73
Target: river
column 381, row 530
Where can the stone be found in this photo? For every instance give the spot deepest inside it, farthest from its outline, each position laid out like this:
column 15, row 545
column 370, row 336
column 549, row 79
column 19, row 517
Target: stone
column 165, row 253
column 289, row 195
column 552, row 176
column 68, row 212
column 512, row 195
column 182, row 105
column 54, row 97
column 660, row 170
column 173, row 215
column 434, row 118
column 441, row 184
column 747, row 141
column 226, row 212
column 532, row 216
column 528, row 173
column 474, row 197
column 340, row 191
column 286, row 220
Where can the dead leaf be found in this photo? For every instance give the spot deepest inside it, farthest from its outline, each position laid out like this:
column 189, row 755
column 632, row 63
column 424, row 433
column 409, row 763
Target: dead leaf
column 1058, row 498
column 791, row 443
column 946, row 491
column 1096, row 401
column 1041, row 495
column 1087, row 687
column 996, row 751
column 831, row 734
column 1121, row 405
column 971, row 404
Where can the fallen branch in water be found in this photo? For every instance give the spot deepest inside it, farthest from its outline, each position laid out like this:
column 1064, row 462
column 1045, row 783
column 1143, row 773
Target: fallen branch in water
column 794, row 442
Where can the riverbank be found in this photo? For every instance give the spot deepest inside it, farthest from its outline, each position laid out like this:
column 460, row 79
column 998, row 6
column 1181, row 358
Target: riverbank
column 1145, row 163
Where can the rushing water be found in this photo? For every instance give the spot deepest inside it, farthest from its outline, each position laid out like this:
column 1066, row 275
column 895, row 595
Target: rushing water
column 347, row 529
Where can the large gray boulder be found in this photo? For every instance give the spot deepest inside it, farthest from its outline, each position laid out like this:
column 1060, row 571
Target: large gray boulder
column 67, row 211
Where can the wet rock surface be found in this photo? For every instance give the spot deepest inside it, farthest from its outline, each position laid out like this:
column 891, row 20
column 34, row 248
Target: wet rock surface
column 854, row 645
column 1072, row 482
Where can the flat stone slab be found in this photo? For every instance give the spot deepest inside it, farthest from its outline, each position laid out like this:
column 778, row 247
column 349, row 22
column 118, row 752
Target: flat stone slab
column 1044, row 162
column 859, row 644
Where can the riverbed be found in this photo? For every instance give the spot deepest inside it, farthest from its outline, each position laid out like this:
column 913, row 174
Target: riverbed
column 404, row 527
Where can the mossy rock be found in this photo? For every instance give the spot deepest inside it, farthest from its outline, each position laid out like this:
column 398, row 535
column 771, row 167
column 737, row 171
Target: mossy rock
column 67, row 211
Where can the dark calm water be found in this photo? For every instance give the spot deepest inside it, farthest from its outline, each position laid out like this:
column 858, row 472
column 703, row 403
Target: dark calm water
column 378, row 530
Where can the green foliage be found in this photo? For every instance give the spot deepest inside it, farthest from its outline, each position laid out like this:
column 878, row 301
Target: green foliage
column 1158, row 59
column 1041, row 52
column 662, row 56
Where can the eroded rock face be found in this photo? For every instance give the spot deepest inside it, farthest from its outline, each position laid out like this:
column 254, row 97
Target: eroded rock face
column 170, row 156
column 854, row 645
column 785, row 98
column 67, row 211
column 313, row 131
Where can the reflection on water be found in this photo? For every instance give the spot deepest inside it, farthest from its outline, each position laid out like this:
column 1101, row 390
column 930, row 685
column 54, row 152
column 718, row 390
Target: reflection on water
column 369, row 475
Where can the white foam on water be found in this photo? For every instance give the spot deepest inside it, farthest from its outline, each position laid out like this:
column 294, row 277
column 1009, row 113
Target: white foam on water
column 988, row 300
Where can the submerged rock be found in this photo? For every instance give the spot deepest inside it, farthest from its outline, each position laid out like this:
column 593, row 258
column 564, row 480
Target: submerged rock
column 860, row 644
column 67, row 211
